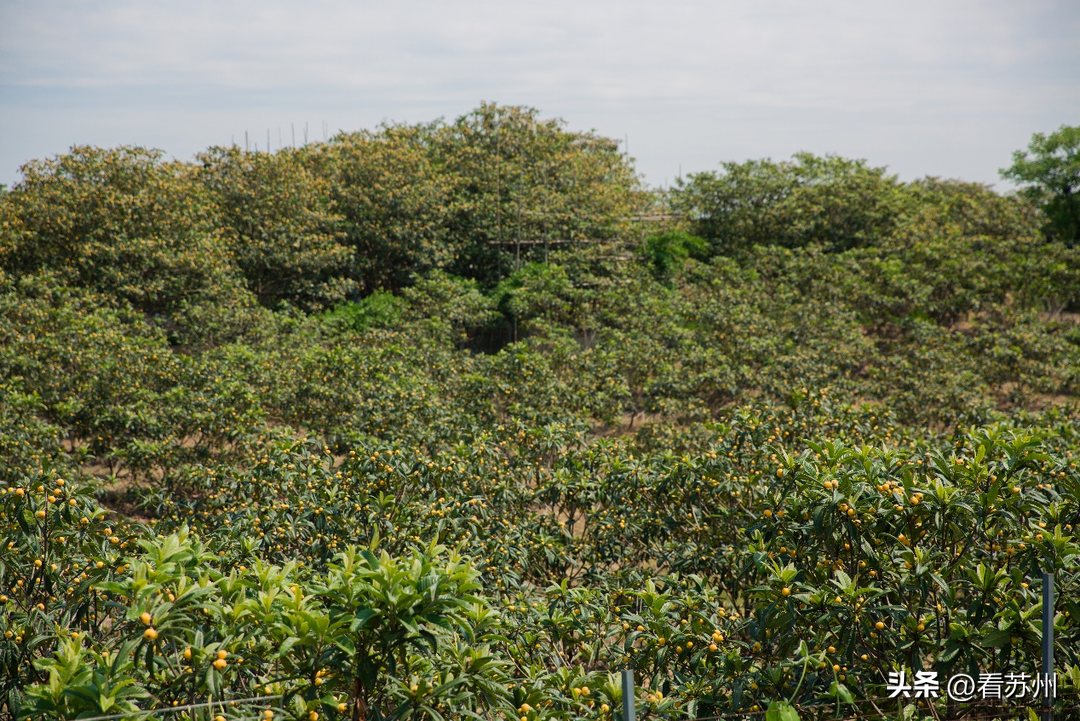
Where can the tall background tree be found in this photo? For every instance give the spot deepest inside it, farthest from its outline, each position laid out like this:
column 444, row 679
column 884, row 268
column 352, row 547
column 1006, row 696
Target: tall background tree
column 127, row 224
column 832, row 201
column 276, row 220
column 1049, row 172
column 523, row 185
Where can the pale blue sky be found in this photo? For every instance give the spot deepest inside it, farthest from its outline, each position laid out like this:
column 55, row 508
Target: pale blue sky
column 946, row 88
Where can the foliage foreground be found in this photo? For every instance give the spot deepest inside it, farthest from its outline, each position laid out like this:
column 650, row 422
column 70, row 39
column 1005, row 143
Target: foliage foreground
column 302, row 428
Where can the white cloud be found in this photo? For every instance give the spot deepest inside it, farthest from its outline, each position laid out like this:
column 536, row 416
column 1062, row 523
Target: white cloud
column 691, row 82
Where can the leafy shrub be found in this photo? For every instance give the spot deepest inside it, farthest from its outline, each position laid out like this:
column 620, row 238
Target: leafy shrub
column 668, row 251
column 378, row 310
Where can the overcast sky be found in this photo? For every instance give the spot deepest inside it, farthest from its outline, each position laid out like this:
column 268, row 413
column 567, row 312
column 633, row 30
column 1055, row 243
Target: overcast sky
column 946, row 87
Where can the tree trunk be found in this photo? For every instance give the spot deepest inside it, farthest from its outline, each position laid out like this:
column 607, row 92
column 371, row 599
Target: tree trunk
column 359, row 701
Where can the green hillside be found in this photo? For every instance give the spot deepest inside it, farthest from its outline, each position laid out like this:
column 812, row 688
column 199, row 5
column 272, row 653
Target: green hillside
column 458, row 420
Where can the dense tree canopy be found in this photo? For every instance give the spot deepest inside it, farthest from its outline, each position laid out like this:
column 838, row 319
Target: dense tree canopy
column 524, row 185
column 394, row 201
column 457, row 420
column 280, row 226
column 122, row 222
column 832, row 201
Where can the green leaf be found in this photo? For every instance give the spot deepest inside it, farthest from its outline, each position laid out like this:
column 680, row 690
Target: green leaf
column 362, row 617
column 998, row 638
column 781, row 711
column 842, row 692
